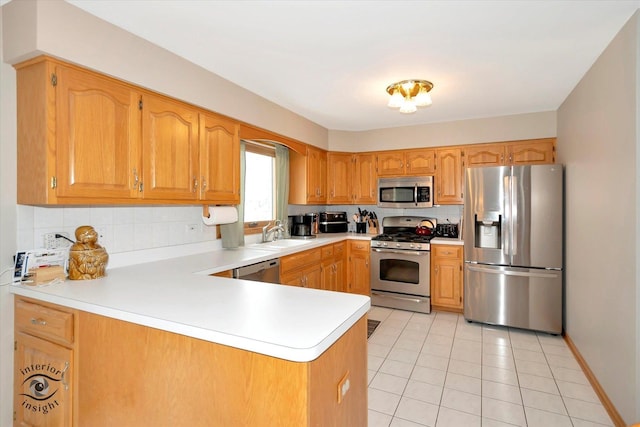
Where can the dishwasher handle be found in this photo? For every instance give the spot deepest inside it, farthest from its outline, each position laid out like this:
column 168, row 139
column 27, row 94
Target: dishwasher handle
column 255, row 268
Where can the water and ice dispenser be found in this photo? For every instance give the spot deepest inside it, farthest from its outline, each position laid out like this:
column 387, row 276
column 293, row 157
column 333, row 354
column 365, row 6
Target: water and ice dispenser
column 488, row 227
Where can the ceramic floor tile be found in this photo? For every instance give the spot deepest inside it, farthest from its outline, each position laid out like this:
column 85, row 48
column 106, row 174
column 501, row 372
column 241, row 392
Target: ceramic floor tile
column 383, row 401
column 396, row 368
column 452, row 418
column 417, row 411
column 501, row 391
column 463, row 383
column 389, row 383
column 438, row 369
column 423, row 391
column 503, row 411
column 538, row 418
column 428, row 375
column 461, row 401
column 543, row 401
column 378, row 419
column 403, row 355
column 465, row 368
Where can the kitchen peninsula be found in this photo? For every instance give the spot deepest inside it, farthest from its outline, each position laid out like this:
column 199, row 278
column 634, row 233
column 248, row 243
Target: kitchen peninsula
column 165, row 344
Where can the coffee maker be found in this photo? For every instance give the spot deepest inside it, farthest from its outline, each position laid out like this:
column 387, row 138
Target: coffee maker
column 303, row 226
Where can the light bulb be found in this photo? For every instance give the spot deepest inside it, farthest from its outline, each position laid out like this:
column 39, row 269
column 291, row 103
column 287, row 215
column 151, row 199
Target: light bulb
column 395, row 100
column 408, row 107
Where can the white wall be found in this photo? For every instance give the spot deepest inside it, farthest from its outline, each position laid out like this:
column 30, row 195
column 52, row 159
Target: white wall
column 492, row 129
column 7, row 233
column 598, row 143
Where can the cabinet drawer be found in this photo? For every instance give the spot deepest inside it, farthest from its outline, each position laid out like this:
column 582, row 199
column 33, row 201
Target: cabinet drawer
column 45, row 322
column 359, row 246
column 327, row 251
column 291, row 262
column 338, row 250
column 447, row 251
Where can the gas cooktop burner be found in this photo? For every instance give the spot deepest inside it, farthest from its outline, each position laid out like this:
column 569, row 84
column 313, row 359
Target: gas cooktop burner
column 403, row 237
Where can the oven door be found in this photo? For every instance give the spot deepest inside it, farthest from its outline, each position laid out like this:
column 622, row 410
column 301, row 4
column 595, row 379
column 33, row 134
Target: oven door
column 400, row 271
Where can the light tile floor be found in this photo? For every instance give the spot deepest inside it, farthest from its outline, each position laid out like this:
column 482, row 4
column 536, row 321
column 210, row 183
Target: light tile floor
column 438, row 370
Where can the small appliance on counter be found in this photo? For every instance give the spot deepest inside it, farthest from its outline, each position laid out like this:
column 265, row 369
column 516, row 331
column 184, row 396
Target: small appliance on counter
column 447, row 230
column 303, row 226
column 333, row 222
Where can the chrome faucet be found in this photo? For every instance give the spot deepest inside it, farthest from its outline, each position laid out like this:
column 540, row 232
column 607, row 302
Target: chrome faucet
column 277, row 230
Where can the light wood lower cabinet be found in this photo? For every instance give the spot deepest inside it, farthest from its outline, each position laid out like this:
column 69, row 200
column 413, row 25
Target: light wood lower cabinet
column 302, row 269
column 447, row 277
column 126, row 374
column 359, row 281
column 43, row 365
column 333, row 267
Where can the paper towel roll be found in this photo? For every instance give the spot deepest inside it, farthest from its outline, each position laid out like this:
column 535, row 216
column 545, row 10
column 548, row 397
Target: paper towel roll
column 221, row 215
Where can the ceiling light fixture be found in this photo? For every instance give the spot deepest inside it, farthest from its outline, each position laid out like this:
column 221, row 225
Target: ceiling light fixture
column 407, row 95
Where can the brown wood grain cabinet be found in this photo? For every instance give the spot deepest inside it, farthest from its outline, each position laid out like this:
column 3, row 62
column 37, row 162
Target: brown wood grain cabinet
column 302, row 269
column 333, row 267
column 308, row 176
column 525, row 152
column 448, row 178
column 358, row 269
column 447, row 276
column 406, row 162
column 124, row 374
column 351, row 178
column 484, row 155
column 85, row 138
column 43, row 365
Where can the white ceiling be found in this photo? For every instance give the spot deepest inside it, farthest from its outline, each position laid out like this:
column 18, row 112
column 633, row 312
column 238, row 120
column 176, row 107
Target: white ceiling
column 330, row 61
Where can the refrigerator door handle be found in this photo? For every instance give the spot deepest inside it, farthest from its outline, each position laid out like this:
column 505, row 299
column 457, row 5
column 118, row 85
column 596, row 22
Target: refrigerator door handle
column 506, row 225
column 513, row 273
column 514, row 216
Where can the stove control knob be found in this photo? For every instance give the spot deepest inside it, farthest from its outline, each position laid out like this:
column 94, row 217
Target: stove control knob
column 411, row 245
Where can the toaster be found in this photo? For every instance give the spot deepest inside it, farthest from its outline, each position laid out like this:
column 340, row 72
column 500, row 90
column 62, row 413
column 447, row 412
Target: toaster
column 447, row 230
column 333, row 222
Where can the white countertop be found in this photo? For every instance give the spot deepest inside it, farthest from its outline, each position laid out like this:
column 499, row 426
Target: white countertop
column 178, row 295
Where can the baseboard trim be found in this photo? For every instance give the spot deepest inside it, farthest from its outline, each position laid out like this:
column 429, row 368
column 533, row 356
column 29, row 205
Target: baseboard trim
column 606, row 402
column 435, row 307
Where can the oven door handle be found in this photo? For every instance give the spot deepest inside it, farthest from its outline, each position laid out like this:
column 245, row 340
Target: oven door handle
column 402, row 298
column 394, row 251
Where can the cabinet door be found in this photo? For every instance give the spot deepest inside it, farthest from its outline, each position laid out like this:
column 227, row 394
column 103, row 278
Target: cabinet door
column 420, row 162
column 42, row 383
column 313, row 277
column 447, row 276
column 98, row 136
column 316, row 176
column 219, row 160
column 390, row 163
column 364, row 179
column 339, row 178
column 170, row 149
column 449, row 177
column 359, row 273
column 484, row 155
column 532, row 152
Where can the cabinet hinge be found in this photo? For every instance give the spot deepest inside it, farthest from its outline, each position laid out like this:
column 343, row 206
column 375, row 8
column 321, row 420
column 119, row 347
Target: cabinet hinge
column 140, row 104
column 54, row 80
column 54, row 182
column 15, row 346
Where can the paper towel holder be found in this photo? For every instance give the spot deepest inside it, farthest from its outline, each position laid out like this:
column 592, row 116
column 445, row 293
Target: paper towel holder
column 205, row 211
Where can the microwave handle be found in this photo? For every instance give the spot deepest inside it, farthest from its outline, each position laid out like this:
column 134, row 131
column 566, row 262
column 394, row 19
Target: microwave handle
column 415, row 194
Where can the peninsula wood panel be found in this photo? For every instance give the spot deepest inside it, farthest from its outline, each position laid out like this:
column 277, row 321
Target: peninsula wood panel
column 131, row 375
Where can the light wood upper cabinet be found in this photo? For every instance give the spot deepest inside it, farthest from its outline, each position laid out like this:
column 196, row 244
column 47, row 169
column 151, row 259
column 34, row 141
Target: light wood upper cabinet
column 527, row 152
column 219, row 159
column 448, row 178
column 308, row 176
column 339, row 178
column 540, row 151
column 351, row 178
column 365, row 179
column 406, row 162
column 484, row 155
column 78, row 135
column 85, row 138
column 170, row 149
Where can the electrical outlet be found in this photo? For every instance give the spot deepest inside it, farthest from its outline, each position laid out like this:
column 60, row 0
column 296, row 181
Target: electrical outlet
column 53, row 242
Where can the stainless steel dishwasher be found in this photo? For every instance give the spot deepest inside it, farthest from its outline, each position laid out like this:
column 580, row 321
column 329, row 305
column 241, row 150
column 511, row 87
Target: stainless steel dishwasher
column 265, row 271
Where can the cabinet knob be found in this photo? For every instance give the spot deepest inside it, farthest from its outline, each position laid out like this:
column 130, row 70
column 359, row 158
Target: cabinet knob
column 204, row 185
column 136, row 179
column 195, row 184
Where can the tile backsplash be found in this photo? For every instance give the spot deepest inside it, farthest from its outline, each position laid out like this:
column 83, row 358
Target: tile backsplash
column 121, row 228
column 132, row 228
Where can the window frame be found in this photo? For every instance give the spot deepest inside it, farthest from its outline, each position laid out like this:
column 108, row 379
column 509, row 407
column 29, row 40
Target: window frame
column 265, row 149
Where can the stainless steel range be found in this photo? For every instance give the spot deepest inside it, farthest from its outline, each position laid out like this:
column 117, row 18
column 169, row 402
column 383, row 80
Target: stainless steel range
column 400, row 264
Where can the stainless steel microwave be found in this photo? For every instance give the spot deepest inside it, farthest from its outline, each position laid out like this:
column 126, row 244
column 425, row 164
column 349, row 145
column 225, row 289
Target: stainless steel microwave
column 405, row 192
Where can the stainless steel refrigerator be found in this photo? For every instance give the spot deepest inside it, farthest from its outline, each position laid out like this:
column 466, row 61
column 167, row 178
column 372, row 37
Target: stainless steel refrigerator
column 513, row 246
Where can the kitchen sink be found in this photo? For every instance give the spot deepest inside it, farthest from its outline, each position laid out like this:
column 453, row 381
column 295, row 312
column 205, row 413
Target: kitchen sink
column 281, row 244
